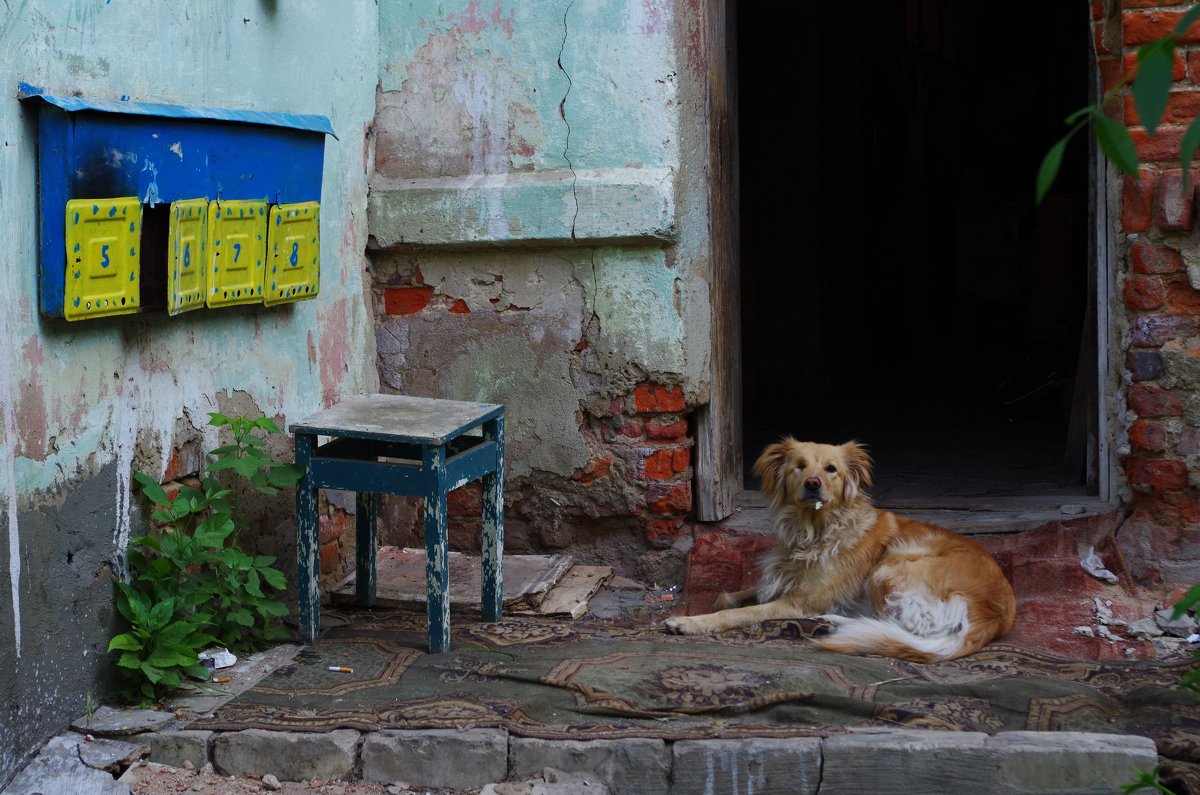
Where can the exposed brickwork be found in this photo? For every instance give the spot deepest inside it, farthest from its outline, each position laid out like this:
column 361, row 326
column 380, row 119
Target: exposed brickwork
column 1162, row 304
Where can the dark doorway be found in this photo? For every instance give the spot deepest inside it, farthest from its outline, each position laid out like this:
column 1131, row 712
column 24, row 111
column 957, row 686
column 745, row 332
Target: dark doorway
column 899, row 286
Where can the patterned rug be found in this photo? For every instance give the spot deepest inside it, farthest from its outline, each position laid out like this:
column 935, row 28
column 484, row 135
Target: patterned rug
column 580, row 680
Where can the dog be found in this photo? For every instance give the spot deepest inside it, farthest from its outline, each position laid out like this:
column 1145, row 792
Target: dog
column 934, row 594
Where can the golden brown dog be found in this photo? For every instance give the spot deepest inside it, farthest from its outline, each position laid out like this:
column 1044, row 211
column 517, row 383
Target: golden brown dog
column 935, row 595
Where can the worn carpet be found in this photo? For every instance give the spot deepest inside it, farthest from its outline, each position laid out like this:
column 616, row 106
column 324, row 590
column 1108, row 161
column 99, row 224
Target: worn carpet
column 580, row 680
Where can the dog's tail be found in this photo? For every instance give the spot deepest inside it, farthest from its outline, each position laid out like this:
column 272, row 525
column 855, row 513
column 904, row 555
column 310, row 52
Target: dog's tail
column 886, row 636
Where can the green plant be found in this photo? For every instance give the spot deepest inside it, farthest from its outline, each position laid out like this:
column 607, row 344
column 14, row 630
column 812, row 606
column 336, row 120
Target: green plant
column 191, row 585
column 1151, row 87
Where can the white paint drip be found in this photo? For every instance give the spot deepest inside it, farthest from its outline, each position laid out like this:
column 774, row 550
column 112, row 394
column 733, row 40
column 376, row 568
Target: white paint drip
column 177, row 148
column 151, row 189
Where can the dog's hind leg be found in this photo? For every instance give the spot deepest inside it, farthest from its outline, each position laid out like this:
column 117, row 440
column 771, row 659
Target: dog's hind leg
column 728, row 601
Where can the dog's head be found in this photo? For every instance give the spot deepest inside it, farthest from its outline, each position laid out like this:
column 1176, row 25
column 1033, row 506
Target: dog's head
column 805, row 474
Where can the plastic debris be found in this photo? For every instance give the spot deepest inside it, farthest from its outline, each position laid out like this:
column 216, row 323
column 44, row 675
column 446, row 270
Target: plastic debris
column 1193, row 638
column 1093, row 565
column 216, row 658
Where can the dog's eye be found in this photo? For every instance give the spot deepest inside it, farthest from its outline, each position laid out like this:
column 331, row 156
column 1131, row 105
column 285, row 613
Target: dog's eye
column 801, row 464
column 830, row 468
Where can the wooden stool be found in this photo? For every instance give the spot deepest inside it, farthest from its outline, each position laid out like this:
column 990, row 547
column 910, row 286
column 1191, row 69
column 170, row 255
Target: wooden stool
column 410, row 446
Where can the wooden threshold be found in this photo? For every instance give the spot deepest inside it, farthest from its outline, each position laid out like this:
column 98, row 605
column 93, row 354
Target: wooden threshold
column 969, row 516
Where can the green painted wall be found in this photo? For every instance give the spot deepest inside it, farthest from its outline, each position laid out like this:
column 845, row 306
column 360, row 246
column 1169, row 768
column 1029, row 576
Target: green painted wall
column 83, row 404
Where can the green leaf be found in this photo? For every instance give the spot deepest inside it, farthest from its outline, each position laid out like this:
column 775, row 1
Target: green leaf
column 213, row 531
column 267, row 424
column 252, row 584
column 1187, row 147
column 1153, row 82
column 125, row 642
column 1189, row 600
column 216, row 419
column 1186, row 21
column 273, row 608
column 1048, row 171
column 160, row 614
column 1090, row 110
column 285, row 475
column 130, row 660
column 241, row 616
column 152, row 488
column 274, row 578
column 1117, row 145
column 151, row 672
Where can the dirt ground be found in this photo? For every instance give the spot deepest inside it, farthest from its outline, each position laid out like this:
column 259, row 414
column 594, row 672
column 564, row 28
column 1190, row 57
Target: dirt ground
column 155, row 779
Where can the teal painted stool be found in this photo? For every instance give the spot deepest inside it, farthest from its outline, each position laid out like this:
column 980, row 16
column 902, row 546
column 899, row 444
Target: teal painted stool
column 410, row 446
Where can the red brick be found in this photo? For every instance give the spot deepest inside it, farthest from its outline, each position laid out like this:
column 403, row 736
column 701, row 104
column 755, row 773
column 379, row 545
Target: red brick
column 1189, row 440
column 1151, row 400
column 1163, row 147
column 681, row 459
column 459, row 307
column 465, row 500
column 1142, row 27
column 1137, row 200
column 406, row 300
column 662, row 533
column 331, row 527
column 657, row 465
column 1181, row 298
column 1144, row 292
column 330, row 558
column 1111, row 69
column 595, row 469
column 1176, row 509
column 656, row 429
column 1193, row 66
column 1147, row 258
column 1157, row 474
column 649, row 399
column 1178, row 72
column 669, row 498
column 1174, row 206
column 630, row 430
column 1152, row 331
column 1149, row 436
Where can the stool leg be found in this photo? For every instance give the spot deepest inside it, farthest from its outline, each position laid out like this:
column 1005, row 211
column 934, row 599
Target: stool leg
column 366, row 540
column 308, row 595
column 437, row 548
column 493, row 526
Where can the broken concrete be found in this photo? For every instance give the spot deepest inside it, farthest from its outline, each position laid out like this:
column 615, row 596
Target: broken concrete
column 292, row 755
column 71, row 764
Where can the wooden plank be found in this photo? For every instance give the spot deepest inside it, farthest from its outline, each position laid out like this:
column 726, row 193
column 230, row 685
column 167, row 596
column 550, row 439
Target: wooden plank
column 569, row 597
column 400, row 579
column 719, row 423
column 399, row 418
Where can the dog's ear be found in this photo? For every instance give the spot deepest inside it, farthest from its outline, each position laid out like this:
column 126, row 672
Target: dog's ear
column 769, row 466
column 858, row 469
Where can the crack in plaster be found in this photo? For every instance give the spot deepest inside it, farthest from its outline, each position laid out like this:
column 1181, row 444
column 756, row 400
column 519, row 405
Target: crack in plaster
column 562, row 112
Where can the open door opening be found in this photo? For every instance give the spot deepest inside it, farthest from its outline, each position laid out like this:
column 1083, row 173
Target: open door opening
column 898, row 285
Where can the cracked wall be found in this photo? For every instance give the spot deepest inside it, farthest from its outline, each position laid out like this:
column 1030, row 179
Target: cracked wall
column 84, row 404
column 533, row 244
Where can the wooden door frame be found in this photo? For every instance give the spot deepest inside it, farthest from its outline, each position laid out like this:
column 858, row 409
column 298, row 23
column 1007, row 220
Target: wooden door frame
column 719, row 422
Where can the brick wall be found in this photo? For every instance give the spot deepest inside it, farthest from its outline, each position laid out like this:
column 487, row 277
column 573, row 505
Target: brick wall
column 630, row 502
column 1159, row 286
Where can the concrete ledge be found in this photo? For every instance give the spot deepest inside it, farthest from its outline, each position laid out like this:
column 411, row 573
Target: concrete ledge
column 759, row 765
column 436, row 758
column 599, row 205
column 876, row 761
column 177, row 748
column 634, row 767
column 295, row 756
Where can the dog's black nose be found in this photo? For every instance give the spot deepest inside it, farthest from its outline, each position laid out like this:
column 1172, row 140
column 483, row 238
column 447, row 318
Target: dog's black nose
column 812, row 484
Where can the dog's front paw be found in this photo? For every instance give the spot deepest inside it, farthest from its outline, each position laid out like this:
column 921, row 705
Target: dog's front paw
column 684, row 625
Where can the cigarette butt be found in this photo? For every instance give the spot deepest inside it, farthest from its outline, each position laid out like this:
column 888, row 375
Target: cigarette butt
column 667, row 597
column 341, row 669
column 220, row 680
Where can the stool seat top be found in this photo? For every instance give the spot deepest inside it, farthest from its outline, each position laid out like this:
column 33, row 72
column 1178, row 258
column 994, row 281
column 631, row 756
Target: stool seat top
column 399, row 418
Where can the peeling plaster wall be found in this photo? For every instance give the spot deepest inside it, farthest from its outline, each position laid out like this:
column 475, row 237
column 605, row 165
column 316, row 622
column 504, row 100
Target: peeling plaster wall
column 83, row 404
column 538, row 224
